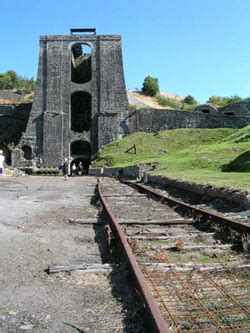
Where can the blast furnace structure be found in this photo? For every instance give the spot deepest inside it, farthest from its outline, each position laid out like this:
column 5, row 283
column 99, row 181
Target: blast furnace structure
column 80, row 94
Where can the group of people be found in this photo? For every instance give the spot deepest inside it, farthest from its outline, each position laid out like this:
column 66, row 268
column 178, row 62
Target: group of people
column 74, row 169
column 78, row 170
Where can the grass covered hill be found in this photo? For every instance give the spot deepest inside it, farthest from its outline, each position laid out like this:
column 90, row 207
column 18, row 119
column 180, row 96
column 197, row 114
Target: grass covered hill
column 197, row 155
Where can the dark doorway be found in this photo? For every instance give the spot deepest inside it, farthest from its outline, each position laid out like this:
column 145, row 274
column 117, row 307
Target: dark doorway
column 80, row 63
column 27, row 152
column 82, row 166
column 81, row 154
column 80, row 111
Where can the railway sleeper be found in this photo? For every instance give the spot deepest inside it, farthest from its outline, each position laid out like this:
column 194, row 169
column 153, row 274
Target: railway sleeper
column 212, row 296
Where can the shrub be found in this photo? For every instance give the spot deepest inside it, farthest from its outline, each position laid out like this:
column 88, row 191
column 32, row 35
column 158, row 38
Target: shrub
column 187, row 107
column 240, row 164
column 189, row 100
column 28, row 171
column 166, row 101
column 10, row 80
column 222, row 101
column 150, row 86
column 47, row 171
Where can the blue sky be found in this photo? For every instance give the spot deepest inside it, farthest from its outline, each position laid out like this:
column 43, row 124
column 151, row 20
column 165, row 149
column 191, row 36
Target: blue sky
column 197, row 47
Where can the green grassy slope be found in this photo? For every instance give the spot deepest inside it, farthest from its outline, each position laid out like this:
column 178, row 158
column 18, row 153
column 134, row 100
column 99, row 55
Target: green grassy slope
column 192, row 154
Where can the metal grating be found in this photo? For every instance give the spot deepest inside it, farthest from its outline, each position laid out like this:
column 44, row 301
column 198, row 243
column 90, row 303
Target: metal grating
column 202, row 301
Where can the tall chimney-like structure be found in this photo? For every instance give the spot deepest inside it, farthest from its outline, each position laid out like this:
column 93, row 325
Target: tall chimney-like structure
column 80, row 94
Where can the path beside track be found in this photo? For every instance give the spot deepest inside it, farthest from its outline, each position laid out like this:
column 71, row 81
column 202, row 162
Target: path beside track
column 35, row 233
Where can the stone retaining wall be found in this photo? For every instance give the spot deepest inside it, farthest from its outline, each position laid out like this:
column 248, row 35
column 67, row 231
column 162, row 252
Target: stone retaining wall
column 141, row 172
column 130, row 172
column 241, row 197
column 154, row 120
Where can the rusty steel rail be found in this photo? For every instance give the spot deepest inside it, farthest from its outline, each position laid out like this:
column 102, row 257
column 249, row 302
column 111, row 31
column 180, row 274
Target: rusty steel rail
column 194, row 300
column 155, row 321
column 212, row 217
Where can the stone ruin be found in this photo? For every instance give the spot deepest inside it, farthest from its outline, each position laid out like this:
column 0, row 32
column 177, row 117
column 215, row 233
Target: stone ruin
column 80, row 91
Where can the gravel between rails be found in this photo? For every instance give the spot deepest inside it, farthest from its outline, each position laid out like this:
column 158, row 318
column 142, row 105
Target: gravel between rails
column 196, row 272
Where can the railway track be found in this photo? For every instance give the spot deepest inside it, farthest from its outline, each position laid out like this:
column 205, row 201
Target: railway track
column 188, row 265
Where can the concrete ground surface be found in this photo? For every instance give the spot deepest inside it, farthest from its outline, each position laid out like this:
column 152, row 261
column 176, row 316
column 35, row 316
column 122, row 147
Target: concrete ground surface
column 35, row 233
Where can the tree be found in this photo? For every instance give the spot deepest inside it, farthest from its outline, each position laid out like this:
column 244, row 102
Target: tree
column 234, row 98
column 150, row 86
column 2, row 83
column 10, row 80
column 189, row 100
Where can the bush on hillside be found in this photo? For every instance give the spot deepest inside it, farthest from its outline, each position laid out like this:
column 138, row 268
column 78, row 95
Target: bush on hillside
column 222, row 101
column 189, row 100
column 10, row 80
column 240, row 164
column 166, row 101
column 150, row 86
column 174, row 104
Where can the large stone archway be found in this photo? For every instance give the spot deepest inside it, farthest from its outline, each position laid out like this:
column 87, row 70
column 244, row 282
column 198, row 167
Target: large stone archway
column 80, row 152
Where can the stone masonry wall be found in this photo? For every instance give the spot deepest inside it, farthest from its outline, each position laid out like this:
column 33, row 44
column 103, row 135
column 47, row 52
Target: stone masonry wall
column 240, row 197
column 153, row 120
column 13, row 121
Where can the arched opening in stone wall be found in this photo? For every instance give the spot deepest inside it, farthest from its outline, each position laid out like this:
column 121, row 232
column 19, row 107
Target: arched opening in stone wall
column 27, row 152
column 80, row 63
column 80, row 152
column 80, row 111
column 229, row 113
column 205, row 110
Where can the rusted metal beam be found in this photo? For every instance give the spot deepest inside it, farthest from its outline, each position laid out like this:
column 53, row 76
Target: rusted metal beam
column 155, row 321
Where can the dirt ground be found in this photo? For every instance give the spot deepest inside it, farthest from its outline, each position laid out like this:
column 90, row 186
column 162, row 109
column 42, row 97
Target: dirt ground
column 35, row 233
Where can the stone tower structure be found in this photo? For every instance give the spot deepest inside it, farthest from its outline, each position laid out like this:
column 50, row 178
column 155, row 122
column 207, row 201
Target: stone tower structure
column 78, row 101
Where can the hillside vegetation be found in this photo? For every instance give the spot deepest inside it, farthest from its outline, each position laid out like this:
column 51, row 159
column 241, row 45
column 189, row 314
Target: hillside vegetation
column 193, row 154
column 11, row 80
column 138, row 100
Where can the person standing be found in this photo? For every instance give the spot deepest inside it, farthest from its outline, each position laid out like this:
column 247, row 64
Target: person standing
column 80, row 169
column 1, row 163
column 74, row 169
column 65, row 169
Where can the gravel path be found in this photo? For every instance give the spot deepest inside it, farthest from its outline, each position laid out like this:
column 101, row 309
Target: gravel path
column 35, row 233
